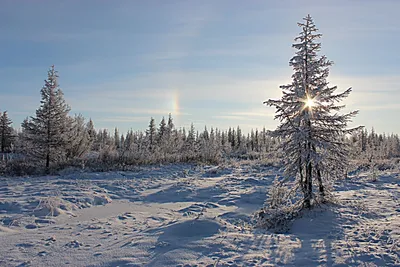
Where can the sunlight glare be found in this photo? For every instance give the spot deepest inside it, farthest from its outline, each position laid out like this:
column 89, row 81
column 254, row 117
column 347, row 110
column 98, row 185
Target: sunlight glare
column 309, row 103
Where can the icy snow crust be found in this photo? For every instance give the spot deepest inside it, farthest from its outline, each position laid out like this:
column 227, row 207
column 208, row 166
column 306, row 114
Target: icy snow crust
column 187, row 215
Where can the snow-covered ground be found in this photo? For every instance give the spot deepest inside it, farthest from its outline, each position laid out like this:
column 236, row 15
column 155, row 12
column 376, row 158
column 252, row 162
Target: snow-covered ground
column 187, row 215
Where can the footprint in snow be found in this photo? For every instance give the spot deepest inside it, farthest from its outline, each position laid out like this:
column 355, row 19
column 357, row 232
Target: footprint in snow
column 42, row 253
column 94, row 227
column 74, row 244
column 31, row 226
column 25, row 245
column 122, row 217
column 45, row 221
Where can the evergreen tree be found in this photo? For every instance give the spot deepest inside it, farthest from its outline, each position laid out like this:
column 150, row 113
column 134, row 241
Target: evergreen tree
column 6, row 133
column 226, row 145
column 151, row 134
column 91, row 133
column 233, row 140
column 230, row 136
column 264, row 145
column 172, row 136
column 252, row 140
column 183, row 135
column 122, row 140
column 311, row 127
column 47, row 131
column 257, row 141
column 190, row 148
column 162, row 131
column 239, row 138
column 170, row 123
column 191, row 138
column 104, row 140
column 364, row 135
column 117, row 139
column 129, row 141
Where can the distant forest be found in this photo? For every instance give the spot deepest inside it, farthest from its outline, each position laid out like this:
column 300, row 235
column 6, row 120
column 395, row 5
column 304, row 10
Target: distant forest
column 52, row 140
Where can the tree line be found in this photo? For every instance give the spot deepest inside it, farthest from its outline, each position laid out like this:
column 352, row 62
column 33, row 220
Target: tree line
column 52, row 138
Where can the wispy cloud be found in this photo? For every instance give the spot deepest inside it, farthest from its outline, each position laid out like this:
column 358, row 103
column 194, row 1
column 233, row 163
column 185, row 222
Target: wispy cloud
column 210, row 62
column 131, row 111
column 117, row 119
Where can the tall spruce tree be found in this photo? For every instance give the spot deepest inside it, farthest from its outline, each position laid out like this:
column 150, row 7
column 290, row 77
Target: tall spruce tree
column 6, row 132
column 91, row 132
column 162, row 132
column 151, row 135
column 47, row 132
column 190, row 145
column 311, row 127
column 170, row 125
column 117, row 139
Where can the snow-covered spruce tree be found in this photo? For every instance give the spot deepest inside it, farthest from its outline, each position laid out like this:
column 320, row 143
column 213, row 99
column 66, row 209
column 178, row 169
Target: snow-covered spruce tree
column 190, row 148
column 162, row 138
column 91, row 132
column 311, row 127
column 171, row 136
column 47, row 132
column 6, row 133
column 117, row 139
column 151, row 133
column 162, row 131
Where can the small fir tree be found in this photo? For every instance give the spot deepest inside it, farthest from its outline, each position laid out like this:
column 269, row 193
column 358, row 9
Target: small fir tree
column 47, row 132
column 6, row 133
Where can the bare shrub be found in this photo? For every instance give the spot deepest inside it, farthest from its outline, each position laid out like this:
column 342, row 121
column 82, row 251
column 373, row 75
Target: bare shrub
column 49, row 206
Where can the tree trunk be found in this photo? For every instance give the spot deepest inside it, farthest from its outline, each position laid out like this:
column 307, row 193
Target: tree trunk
column 320, row 184
column 302, row 182
column 47, row 161
column 308, row 186
column 319, row 178
column 308, row 180
column 3, row 139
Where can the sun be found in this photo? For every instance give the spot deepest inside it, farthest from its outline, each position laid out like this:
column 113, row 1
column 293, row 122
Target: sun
column 309, row 103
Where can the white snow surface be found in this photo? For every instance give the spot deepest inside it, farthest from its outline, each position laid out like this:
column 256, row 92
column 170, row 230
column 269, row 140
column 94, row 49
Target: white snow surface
column 188, row 215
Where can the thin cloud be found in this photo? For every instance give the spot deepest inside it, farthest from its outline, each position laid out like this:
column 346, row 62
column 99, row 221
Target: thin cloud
column 229, row 117
column 117, row 119
column 126, row 110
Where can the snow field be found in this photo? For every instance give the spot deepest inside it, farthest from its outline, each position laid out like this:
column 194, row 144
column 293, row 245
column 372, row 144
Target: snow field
column 188, row 215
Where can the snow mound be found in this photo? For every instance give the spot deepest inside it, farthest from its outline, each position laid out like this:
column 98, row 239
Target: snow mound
column 6, row 230
column 52, row 206
column 192, row 229
column 215, row 171
column 101, row 200
column 197, row 208
column 174, row 257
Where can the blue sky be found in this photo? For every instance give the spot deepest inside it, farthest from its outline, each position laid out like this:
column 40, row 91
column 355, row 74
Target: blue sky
column 206, row 62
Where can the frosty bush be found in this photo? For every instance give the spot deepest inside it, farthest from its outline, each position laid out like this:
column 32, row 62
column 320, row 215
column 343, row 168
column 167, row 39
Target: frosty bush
column 282, row 206
column 19, row 167
column 49, row 206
